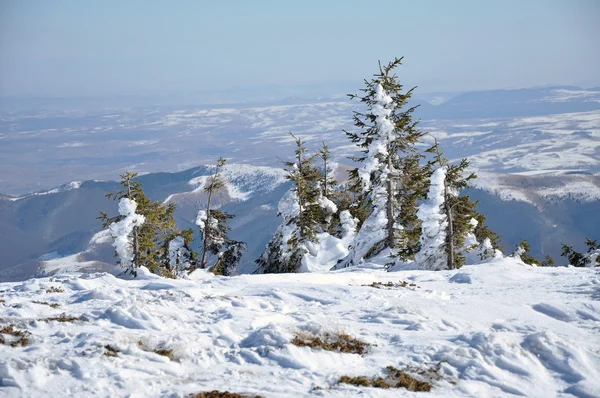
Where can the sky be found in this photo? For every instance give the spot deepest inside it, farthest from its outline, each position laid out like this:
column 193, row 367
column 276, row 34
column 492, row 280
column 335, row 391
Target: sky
column 97, row 48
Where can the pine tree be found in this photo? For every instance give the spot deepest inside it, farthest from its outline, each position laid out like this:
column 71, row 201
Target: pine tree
column 214, row 228
column 523, row 251
column 387, row 137
column 125, row 232
column 577, row 259
column 150, row 240
column 456, row 215
column 210, row 232
column 304, row 211
column 548, row 261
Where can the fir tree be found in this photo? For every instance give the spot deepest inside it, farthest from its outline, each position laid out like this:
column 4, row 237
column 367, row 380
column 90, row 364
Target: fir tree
column 523, row 251
column 387, row 137
column 214, row 228
column 453, row 213
column 577, row 259
column 548, row 261
column 150, row 240
column 304, row 211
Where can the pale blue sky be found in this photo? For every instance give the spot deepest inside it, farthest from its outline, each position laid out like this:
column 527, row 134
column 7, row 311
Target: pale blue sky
column 85, row 47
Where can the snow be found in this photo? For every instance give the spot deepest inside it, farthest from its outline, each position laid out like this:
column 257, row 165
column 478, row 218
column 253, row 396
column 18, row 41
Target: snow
column 496, row 329
column 122, row 230
column 434, row 223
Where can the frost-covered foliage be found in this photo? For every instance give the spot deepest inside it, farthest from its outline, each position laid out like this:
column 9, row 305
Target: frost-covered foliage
column 434, row 225
column 230, row 258
column 522, row 252
column 179, row 255
column 214, row 229
column 151, row 239
column 281, row 255
column 577, row 259
column 306, row 219
column 124, row 233
column 387, row 136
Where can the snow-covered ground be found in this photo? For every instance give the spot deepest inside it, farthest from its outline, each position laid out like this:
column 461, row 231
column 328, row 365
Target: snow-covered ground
column 495, row 329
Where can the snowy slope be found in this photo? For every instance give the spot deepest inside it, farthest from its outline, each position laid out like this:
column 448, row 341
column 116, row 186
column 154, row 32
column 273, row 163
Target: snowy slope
column 497, row 329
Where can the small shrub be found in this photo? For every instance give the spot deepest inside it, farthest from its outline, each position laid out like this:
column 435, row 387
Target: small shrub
column 21, row 338
column 61, row 318
column 339, row 342
column 54, row 289
column 395, row 378
column 221, row 394
column 53, row 305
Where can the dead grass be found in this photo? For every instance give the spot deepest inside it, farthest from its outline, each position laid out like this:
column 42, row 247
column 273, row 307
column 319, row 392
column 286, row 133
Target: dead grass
column 54, row 289
column 340, row 342
column 21, row 338
column 165, row 352
column 110, row 351
column 61, row 318
column 395, row 378
column 221, row 394
column 392, row 285
column 53, row 305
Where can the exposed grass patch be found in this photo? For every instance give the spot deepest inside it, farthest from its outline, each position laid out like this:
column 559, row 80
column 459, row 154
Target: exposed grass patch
column 222, row 394
column 53, row 305
column 165, row 352
column 392, row 285
column 54, row 289
column 110, row 351
column 61, row 318
column 395, row 378
column 20, row 337
column 340, row 342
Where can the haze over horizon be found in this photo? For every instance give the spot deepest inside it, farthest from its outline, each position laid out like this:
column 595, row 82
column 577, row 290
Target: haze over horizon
column 72, row 48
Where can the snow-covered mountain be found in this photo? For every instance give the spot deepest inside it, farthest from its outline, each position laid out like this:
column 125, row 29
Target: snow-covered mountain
column 497, row 329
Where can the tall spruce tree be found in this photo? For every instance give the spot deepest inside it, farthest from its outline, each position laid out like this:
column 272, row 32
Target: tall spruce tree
column 387, row 136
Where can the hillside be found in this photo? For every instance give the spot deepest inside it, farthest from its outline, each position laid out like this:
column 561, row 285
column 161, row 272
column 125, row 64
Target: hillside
column 487, row 330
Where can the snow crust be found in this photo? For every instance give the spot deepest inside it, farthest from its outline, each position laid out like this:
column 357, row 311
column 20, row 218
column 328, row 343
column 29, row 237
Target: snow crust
column 495, row 329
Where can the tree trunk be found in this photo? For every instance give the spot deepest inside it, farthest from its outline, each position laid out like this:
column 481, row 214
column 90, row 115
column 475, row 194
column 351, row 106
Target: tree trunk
column 450, row 231
column 391, row 239
column 135, row 243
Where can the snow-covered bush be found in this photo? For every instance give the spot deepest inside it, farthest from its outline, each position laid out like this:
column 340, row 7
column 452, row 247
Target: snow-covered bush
column 125, row 235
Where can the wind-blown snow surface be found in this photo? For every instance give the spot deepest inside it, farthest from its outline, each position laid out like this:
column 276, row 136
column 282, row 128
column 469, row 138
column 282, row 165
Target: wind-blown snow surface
column 498, row 329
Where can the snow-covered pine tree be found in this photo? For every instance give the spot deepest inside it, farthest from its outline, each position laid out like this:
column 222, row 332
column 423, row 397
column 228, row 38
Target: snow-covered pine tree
column 181, row 255
column 387, row 134
column 412, row 188
column 214, row 229
column 125, row 233
column 207, row 219
column 304, row 211
column 522, row 251
column 454, row 215
column 152, row 237
column 577, row 259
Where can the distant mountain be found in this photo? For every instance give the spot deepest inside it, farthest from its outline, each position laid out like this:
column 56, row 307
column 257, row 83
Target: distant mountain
column 514, row 103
